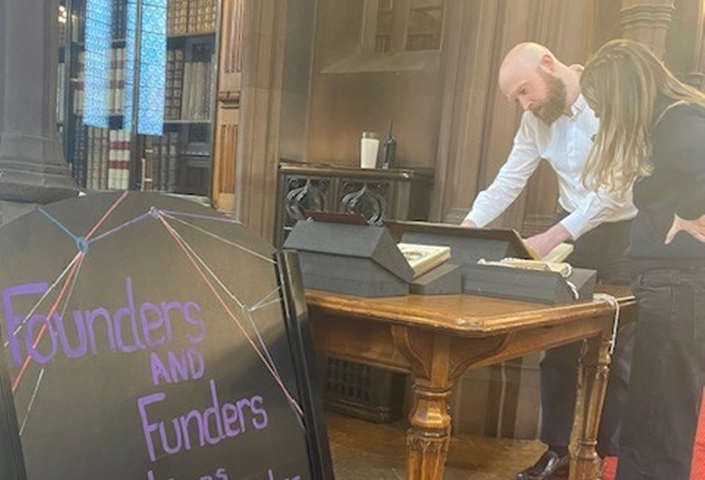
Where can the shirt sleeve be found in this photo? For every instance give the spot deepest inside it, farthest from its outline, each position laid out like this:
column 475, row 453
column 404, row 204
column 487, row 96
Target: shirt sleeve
column 511, row 178
column 680, row 138
column 594, row 209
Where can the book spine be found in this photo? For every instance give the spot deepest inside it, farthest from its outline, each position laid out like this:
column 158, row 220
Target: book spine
column 104, row 157
column 79, row 86
column 78, row 157
column 173, row 163
column 121, row 81
column 92, row 174
column 164, row 165
column 177, row 92
column 146, row 175
column 125, row 159
column 169, row 85
column 186, row 92
column 156, row 165
column 112, row 158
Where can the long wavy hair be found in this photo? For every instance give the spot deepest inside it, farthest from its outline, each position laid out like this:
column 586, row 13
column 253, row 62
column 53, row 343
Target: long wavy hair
column 629, row 88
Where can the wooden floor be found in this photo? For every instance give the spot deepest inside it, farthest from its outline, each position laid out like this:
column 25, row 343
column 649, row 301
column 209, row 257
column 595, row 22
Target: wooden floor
column 365, row 451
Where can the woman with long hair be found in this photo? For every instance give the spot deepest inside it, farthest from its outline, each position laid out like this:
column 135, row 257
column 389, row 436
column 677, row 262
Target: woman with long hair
column 652, row 138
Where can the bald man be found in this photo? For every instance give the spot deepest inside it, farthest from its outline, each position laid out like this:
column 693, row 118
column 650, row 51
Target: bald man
column 558, row 126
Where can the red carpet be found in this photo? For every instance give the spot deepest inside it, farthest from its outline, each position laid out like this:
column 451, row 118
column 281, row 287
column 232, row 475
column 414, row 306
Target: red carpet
column 698, row 472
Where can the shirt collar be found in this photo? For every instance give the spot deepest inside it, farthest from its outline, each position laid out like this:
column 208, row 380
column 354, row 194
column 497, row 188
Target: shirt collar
column 579, row 105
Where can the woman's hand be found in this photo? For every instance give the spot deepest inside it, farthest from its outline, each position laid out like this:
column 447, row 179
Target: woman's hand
column 696, row 228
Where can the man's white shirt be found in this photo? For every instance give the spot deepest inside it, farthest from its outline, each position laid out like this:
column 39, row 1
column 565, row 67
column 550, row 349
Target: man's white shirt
column 565, row 145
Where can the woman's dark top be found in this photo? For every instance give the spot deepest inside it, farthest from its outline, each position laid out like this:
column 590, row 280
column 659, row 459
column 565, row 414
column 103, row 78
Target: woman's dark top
column 676, row 186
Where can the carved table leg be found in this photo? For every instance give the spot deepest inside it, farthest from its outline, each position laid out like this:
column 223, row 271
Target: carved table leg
column 592, row 384
column 429, row 435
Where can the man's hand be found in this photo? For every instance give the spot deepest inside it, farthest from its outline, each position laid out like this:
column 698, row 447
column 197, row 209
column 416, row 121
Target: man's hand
column 696, row 228
column 548, row 240
column 468, row 223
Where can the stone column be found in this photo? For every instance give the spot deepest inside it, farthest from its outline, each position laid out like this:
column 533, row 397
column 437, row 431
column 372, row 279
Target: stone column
column 32, row 167
column 647, row 21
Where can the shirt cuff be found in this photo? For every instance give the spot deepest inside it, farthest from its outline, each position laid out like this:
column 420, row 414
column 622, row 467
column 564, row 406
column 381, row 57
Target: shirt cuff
column 478, row 218
column 576, row 224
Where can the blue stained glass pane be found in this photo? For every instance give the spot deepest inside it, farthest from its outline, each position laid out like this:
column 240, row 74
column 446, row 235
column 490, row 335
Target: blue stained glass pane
column 131, row 38
column 152, row 68
column 97, row 62
column 152, row 19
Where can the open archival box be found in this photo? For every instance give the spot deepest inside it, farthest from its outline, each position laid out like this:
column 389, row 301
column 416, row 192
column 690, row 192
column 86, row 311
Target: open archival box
column 424, row 258
column 498, row 262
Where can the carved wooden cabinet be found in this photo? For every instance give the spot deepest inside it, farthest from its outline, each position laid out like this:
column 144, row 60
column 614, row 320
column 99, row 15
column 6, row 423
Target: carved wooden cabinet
column 378, row 194
column 351, row 388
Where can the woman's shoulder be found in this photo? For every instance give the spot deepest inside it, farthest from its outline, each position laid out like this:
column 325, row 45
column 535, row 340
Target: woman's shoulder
column 678, row 110
column 680, row 127
column 680, row 116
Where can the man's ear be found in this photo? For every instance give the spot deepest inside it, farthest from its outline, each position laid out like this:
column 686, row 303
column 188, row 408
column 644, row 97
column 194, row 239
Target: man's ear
column 548, row 63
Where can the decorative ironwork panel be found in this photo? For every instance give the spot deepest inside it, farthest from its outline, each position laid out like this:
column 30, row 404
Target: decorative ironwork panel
column 305, row 195
column 367, row 198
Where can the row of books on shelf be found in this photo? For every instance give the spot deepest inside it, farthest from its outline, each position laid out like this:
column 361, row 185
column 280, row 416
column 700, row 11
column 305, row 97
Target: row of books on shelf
column 160, row 165
column 117, row 16
column 198, row 88
column 115, row 82
column 100, row 159
column 183, row 16
column 189, row 84
column 188, row 89
column 191, row 16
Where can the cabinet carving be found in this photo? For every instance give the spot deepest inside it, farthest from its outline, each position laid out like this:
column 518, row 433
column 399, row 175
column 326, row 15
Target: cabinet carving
column 377, row 194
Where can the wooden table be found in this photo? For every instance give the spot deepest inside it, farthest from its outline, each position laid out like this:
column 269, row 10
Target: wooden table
column 437, row 338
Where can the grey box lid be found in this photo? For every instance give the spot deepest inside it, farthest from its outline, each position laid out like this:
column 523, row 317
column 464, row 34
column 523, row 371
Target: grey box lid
column 370, row 242
column 468, row 245
column 529, row 285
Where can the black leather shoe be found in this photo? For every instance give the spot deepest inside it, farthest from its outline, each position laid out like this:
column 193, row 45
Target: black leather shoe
column 549, row 466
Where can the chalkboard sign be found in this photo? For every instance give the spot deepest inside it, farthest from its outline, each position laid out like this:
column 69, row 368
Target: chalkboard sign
column 146, row 337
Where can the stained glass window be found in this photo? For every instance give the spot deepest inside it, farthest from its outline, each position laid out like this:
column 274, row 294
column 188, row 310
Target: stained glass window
column 130, row 39
column 150, row 116
column 97, row 62
column 150, row 67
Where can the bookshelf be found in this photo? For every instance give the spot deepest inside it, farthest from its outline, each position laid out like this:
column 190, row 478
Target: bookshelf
column 137, row 83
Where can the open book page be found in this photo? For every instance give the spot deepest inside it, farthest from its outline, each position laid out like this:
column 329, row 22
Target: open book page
column 564, row 269
column 423, row 258
column 559, row 253
column 551, row 262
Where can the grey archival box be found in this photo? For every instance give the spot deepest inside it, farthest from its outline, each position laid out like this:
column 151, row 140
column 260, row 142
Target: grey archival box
column 350, row 259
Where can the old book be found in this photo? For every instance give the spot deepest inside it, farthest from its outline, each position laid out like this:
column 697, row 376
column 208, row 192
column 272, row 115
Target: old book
column 423, row 258
column 559, row 267
column 559, row 253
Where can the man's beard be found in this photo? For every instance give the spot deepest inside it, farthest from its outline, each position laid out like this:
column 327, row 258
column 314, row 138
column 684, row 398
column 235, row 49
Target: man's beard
column 556, row 103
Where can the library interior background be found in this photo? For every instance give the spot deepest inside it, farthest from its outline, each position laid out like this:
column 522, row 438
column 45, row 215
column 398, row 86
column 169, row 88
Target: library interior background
column 255, row 109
